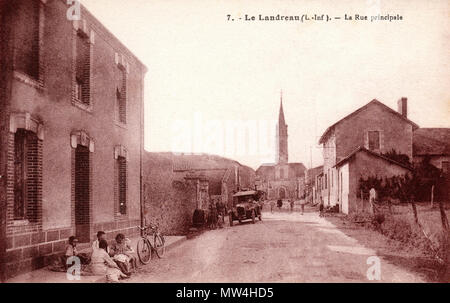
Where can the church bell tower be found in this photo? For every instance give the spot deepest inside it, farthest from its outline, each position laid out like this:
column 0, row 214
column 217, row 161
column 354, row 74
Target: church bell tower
column 282, row 136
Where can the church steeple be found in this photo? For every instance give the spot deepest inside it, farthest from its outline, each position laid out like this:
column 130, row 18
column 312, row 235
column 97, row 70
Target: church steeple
column 281, row 114
column 282, row 135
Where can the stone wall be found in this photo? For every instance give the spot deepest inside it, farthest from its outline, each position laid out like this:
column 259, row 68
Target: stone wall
column 169, row 200
column 171, row 195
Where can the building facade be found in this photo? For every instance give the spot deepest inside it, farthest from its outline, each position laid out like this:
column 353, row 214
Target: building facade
column 372, row 130
column 433, row 145
column 312, row 184
column 176, row 185
column 75, row 132
column 282, row 180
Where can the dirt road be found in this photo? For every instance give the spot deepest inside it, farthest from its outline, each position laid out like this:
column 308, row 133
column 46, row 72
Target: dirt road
column 284, row 247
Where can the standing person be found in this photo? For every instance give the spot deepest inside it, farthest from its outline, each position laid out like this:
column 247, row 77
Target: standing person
column 220, row 214
column 302, row 205
column 279, row 203
column 212, row 216
column 321, row 208
column 272, row 206
column 291, row 203
column 102, row 264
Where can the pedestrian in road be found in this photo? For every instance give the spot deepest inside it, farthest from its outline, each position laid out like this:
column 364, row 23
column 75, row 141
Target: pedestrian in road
column 279, row 203
column 212, row 218
column 272, row 206
column 291, row 203
column 321, row 209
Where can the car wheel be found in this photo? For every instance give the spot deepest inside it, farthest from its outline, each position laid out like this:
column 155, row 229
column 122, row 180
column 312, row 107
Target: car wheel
column 253, row 217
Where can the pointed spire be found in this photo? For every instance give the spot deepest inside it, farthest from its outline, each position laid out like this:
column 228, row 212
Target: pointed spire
column 281, row 114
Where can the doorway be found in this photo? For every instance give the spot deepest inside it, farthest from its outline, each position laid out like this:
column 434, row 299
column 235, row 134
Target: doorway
column 82, row 194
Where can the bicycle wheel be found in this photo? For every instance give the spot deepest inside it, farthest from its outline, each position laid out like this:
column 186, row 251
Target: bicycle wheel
column 158, row 245
column 144, row 251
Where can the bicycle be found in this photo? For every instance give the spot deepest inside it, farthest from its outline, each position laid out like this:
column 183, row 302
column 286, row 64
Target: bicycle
column 145, row 247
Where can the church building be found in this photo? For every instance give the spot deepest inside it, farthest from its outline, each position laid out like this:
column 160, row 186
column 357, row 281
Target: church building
column 281, row 180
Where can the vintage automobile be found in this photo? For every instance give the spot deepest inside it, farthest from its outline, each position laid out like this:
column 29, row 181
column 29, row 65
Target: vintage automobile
column 246, row 206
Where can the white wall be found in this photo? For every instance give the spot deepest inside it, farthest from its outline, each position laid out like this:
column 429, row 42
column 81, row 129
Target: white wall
column 343, row 193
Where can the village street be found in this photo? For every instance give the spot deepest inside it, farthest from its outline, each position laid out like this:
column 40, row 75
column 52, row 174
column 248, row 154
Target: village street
column 284, row 247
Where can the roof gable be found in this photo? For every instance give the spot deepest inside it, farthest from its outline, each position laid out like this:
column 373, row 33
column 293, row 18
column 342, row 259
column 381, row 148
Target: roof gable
column 365, row 107
column 363, row 149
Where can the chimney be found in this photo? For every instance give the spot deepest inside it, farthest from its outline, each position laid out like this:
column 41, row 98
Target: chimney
column 403, row 107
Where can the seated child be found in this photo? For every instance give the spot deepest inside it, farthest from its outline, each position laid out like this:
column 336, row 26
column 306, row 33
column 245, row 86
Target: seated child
column 123, row 254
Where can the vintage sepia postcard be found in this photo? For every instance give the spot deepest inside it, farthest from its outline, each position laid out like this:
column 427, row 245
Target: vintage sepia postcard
column 238, row 141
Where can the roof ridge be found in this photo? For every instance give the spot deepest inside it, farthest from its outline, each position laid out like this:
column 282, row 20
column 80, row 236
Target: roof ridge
column 374, row 101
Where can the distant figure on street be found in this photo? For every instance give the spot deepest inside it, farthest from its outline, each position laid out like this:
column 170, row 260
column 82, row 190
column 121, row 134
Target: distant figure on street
column 272, row 206
column 372, row 199
column 279, row 203
column 291, row 203
column 212, row 219
column 221, row 213
column 321, row 208
column 302, row 205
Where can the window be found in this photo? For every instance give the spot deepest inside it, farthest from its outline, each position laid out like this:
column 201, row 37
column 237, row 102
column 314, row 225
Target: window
column 82, row 69
column 122, row 184
column 27, row 31
column 27, row 172
column 374, row 140
column 121, row 96
column 79, row 89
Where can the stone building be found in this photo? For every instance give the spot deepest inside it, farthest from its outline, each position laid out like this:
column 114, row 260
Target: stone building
column 176, row 185
column 282, row 180
column 355, row 146
column 71, row 152
column 312, row 184
column 433, row 145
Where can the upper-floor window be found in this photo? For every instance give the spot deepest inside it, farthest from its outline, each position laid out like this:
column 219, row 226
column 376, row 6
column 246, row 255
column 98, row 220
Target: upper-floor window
column 121, row 96
column 27, row 32
column 374, row 140
column 83, row 69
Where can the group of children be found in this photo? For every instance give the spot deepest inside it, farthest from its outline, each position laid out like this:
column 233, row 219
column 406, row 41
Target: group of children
column 116, row 261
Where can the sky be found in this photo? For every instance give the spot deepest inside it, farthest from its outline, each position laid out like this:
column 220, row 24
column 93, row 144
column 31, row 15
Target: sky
column 209, row 78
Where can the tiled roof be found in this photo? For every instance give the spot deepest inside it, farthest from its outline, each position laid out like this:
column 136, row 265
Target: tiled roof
column 431, row 141
column 374, row 101
column 363, row 149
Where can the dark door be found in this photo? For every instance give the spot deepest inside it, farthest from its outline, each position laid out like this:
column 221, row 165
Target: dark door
column 282, row 193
